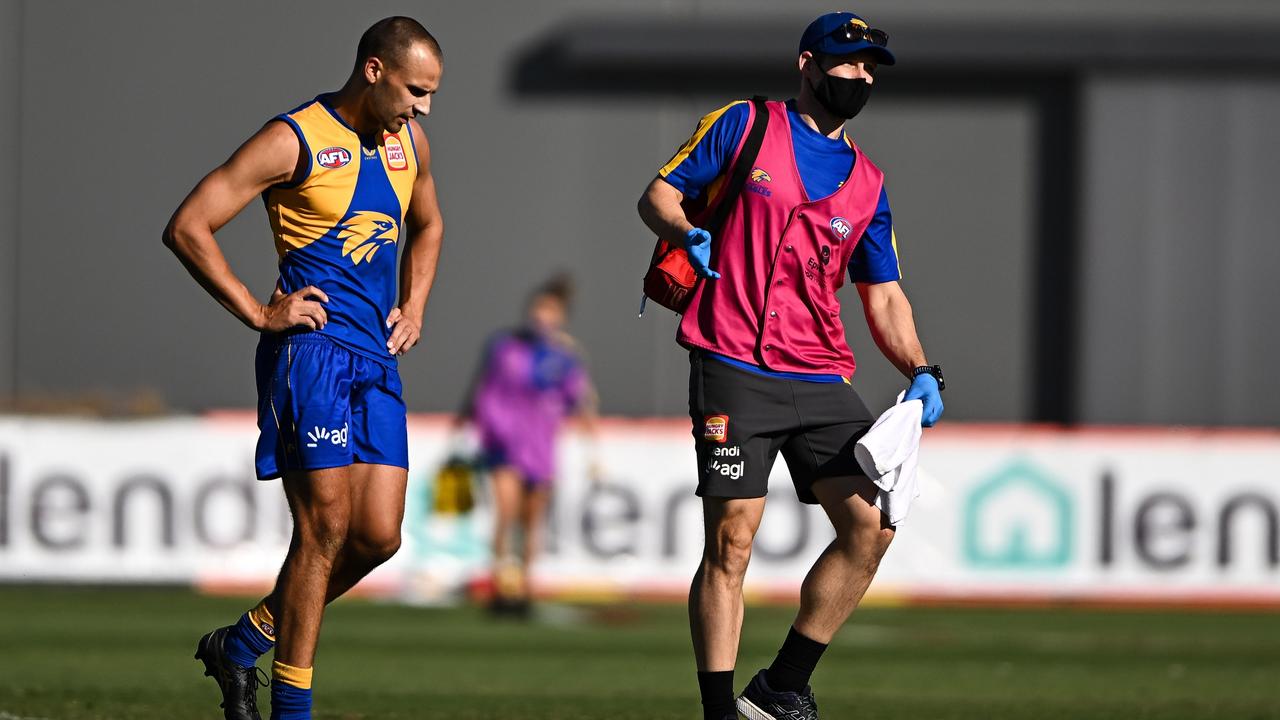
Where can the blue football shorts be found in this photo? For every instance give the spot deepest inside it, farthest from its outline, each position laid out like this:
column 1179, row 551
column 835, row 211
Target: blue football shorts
column 321, row 405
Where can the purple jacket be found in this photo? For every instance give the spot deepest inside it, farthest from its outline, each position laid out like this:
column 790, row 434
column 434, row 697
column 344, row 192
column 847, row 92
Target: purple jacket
column 526, row 386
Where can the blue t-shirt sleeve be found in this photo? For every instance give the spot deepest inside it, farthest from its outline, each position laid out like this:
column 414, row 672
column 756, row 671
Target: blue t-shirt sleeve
column 702, row 157
column 575, row 384
column 875, row 258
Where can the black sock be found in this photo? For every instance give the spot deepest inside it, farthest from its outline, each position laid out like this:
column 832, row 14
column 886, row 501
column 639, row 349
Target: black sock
column 796, row 660
column 718, row 702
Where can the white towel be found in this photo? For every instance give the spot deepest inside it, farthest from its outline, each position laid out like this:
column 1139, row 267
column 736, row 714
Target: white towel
column 890, row 454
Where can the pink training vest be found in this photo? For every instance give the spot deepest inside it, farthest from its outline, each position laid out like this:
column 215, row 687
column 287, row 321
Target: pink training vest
column 781, row 259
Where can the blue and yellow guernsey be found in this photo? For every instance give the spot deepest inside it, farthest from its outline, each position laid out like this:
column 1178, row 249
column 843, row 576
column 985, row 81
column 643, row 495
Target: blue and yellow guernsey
column 337, row 227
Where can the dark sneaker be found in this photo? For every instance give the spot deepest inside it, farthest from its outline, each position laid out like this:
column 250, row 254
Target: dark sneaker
column 239, row 685
column 759, row 702
column 518, row 608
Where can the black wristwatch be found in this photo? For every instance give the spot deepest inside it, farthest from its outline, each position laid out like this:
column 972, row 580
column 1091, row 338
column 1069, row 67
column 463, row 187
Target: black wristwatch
column 934, row 370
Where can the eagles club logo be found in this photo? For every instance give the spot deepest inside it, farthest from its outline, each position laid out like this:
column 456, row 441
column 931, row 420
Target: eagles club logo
column 365, row 232
column 841, row 227
column 758, row 184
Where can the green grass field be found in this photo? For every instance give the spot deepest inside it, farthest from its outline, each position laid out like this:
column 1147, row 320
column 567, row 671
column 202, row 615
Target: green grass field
column 91, row 653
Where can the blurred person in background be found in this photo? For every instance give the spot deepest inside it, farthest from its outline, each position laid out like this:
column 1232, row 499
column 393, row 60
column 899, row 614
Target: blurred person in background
column 770, row 366
column 528, row 381
column 345, row 179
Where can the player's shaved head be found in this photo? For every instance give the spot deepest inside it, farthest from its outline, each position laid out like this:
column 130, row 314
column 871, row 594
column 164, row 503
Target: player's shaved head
column 398, row 68
column 389, row 40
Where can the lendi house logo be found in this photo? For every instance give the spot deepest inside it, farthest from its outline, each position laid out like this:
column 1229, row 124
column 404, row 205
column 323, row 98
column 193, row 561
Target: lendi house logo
column 1020, row 517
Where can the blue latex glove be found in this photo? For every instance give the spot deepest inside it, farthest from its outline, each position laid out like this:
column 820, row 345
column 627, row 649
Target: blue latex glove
column 697, row 243
column 925, row 389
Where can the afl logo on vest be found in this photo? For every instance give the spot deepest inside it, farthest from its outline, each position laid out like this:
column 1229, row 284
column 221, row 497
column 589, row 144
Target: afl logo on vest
column 333, row 157
column 395, row 153
column 841, row 227
column 717, row 428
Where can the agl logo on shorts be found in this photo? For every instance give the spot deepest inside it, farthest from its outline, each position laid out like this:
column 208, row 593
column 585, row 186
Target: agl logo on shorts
column 733, row 471
column 717, row 428
column 333, row 157
column 336, row 436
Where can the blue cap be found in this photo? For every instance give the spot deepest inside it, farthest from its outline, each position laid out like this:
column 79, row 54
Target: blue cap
column 818, row 38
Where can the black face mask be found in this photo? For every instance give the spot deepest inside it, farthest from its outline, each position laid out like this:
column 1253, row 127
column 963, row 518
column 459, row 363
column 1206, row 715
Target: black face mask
column 842, row 97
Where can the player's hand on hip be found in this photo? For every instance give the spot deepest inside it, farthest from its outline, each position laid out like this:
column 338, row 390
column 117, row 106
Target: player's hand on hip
column 404, row 332
column 925, row 389
column 303, row 308
column 697, row 243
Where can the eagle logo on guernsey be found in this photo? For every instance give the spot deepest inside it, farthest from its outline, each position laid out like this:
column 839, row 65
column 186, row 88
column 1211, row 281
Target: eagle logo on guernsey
column 394, row 149
column 333, row 157
column 364, row 232
column 841, row 227
column 716, row 428
column 760, row 176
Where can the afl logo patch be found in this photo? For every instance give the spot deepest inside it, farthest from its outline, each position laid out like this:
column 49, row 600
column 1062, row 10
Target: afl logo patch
column 841, row 227
column 394, row 149
column 333, row 157
column 717, row 428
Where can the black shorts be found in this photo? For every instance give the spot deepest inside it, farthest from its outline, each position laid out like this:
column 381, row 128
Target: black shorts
column 741, row 420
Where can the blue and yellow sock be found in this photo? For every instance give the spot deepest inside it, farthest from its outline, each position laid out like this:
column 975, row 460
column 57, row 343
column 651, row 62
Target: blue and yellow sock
column 290, row 692
column 252, row 636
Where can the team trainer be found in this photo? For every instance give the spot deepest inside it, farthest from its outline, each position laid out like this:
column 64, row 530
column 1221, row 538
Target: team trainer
column 769, row 365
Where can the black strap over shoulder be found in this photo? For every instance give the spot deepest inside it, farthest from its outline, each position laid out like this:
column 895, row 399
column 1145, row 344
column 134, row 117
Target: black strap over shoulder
column 741, row 168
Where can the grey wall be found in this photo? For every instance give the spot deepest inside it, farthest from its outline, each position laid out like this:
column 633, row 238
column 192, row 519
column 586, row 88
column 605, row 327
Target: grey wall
column 123, row 111
column 10, row 177
column 962, row 218
column 1182, row 251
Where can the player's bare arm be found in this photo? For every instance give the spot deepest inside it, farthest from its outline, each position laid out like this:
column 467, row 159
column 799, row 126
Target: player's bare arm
column 893, row 327
column 421, row 253
column 660, row 210
column 271, row 156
